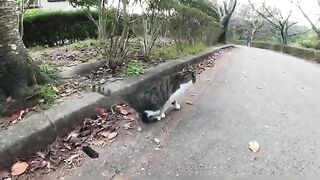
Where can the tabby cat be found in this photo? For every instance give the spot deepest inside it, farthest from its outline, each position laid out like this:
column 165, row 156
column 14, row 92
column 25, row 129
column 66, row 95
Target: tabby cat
column 152, row 100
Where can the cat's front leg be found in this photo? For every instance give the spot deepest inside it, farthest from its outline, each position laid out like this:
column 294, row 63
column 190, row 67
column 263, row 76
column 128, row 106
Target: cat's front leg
column 159, row 118
column 176, row 105
column 163, row 115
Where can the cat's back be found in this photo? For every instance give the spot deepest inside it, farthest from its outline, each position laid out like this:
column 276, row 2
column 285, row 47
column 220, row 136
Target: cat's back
column 151, row 95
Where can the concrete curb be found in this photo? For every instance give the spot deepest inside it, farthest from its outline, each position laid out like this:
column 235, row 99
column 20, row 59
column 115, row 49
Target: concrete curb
column 85, row 68
column 303, row 53
column 37, row 131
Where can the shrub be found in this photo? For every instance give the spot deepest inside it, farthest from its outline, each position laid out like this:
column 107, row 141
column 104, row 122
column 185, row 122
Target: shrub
column 262, row 45
column 57, row 27
column 47, row 69
column 299, row 52
column 276, row 47
column 312, row 41
column 173, row 53
column 48, row 93
column 133, row 68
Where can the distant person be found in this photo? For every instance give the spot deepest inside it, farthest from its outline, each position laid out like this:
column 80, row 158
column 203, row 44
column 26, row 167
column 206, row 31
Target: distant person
column 248, row 41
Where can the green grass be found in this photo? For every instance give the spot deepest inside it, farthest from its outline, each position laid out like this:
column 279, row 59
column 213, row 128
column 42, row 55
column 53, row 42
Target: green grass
column 47, row 69
column 172, row 52
column 48, row 94
column 85, row 43
column 133, row 68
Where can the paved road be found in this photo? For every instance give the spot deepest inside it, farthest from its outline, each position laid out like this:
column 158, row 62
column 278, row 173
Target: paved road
column 252, row 94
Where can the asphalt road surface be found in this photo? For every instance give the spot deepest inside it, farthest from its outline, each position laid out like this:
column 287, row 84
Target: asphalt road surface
column 251, row 94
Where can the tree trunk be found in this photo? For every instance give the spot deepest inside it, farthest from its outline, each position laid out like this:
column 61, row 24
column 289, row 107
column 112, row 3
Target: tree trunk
column 102, row 22
column 223, row 38
column 284, row 36
column 226, row 19
column 16, row 69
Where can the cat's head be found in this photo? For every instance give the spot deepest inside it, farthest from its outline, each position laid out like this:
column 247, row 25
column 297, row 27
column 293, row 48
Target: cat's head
column 187, row 75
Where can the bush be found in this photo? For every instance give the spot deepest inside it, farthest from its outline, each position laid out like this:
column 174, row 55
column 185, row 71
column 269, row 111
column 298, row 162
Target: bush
column 133, row 68
column 173, row 53
column 299, row 52
column 262, row 45
column 48, row 93
column 57, row 27
column 193, row 25
column 47, row 69
column 276, row 47
column 312, row 41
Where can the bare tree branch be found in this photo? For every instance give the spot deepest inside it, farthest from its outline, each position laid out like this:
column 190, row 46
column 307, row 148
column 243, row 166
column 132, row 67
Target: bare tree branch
column 299, row 33
column 276, row 19
column 292, row 24
column 314, row 27
column 264, row 16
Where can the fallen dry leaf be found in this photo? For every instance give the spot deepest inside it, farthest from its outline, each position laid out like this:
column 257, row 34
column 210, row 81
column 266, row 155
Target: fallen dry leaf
column 100, row 142
column 157, row 141
column 38, row 165
column 102, row 81
column 17, row 116
column 129, row 118
column 124, row 112
column 188, row 102
column 42, row 154
column 101, row 112
column 254, row 146
column 71, row 158
column 112, row 135
column 72, row 135
column 105, row 134
column 9, row 99
column 19, row 168
column 127, row 126
column 56, row 89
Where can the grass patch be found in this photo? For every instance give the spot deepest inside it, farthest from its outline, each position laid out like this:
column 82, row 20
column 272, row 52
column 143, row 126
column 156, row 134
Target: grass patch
column 85, row 43
column 172, row 52
column 133, row 68
column 47, row 69
column 48, row 93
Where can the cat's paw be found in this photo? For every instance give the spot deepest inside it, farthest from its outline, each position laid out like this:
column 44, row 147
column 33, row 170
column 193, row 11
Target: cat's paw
column 163, row 116
column 177, row 106
column 158, row 118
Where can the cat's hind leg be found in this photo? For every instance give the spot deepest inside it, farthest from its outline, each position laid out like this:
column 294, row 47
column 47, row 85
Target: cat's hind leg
column 164, row 109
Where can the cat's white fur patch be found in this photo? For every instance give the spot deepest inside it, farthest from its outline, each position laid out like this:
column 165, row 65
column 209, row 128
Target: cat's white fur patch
column 152, row 113
column 176, row 96
column 163, row 116
column 177, row 106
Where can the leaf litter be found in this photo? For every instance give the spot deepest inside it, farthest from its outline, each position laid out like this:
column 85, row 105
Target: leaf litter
column 19, row 168
column 254, row 146
column 68, row 148
column 69, row 152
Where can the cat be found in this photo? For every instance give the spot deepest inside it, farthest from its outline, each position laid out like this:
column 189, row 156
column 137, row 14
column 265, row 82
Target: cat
column 152, row 100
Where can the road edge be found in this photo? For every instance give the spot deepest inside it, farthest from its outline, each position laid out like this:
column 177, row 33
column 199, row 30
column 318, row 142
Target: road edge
column 37, row 131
